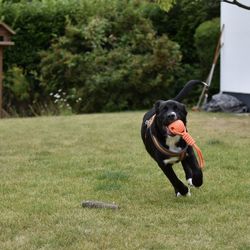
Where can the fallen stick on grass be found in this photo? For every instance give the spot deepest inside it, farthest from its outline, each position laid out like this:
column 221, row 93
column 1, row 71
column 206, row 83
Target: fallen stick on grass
column 99, row 204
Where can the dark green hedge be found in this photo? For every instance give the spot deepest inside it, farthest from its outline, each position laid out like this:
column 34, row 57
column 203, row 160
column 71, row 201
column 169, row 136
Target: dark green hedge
column 206, row 39
column 115, row 61
column 90, row 56
column 36, row 24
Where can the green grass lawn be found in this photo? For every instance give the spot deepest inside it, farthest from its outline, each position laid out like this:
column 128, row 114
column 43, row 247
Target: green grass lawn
column 50, row 164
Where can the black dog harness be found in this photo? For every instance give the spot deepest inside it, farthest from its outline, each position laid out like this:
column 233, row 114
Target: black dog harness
column 181, row 155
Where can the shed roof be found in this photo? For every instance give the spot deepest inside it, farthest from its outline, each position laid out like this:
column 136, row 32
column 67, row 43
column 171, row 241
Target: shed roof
column 7, row 28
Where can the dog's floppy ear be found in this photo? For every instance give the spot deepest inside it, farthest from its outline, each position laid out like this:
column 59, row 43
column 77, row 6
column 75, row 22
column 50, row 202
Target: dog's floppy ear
column 157, row 106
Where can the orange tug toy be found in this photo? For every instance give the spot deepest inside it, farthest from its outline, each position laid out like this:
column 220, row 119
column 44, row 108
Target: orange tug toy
column 178, row 128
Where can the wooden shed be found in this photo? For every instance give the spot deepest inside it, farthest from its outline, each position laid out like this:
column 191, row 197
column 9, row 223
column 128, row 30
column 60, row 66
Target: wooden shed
column 5, row 35
column 5, row 40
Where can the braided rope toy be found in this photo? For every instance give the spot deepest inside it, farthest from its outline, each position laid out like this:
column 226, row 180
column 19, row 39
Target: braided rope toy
column 178, row 128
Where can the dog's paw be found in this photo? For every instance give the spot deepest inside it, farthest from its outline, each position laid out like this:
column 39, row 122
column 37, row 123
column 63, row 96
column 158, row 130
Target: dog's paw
column 190, row 182
column 197, row 179
column 182, row 191
column 178, row 194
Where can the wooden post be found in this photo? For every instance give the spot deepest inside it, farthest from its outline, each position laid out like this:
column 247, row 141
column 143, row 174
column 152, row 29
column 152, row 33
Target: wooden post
column 1, row 82
column 5, row 40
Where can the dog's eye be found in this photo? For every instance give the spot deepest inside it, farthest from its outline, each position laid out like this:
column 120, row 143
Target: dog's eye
column 165, row 108
column 175, row 107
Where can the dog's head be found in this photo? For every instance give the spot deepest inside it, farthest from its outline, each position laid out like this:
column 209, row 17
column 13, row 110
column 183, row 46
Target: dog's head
column 168, row 112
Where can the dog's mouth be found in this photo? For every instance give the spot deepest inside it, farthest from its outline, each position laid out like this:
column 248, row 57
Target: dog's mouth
column 166, row 125
column 167, row 131
column 166, row 121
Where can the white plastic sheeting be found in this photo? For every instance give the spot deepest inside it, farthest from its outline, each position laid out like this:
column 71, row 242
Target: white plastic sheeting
column 235, row 53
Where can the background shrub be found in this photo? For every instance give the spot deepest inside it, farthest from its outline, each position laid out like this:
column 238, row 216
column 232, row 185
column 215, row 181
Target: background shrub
column 104, row 55
column 119, row 63
column 181, row 21
column 206, row 38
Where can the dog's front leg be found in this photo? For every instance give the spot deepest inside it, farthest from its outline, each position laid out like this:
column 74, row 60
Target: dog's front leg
column 179, row 187
column 191, row 162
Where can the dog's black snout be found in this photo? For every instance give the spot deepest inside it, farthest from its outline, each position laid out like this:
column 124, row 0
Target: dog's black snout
column 171, row 116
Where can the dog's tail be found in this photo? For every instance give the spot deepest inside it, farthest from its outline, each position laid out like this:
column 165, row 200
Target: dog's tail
column 187, row 88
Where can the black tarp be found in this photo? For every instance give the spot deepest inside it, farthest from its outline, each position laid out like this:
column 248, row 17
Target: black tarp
column 225, row 103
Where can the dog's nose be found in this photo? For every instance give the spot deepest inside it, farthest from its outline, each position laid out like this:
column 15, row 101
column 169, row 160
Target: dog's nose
column 171, row 116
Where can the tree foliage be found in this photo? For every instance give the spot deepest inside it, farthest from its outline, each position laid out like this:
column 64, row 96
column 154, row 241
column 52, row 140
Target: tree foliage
column 206, row 38
column 99, row 55
column 165, row 4
column 181, row 21
column 115, row 61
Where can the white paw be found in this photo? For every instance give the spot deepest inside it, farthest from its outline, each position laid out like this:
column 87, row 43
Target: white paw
column 178, row 194
column 190, row 182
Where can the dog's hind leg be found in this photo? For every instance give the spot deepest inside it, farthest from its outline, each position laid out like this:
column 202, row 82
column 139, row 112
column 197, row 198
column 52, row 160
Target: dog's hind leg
column 178, row 185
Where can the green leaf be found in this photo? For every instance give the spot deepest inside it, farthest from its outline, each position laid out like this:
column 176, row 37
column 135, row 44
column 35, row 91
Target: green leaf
column 165, row 4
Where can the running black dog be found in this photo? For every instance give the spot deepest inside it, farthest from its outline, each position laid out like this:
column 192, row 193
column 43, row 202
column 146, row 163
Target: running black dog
column 167, row 149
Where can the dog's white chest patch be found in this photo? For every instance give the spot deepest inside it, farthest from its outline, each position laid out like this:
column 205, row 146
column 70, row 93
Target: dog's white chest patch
column 171, row 160
column 171, row 143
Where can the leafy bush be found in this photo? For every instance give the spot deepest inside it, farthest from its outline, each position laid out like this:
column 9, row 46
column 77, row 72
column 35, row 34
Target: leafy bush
column 115, row 61
column 181, row 22
column 206, row 38
column 103, row 54
column 36, row 24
